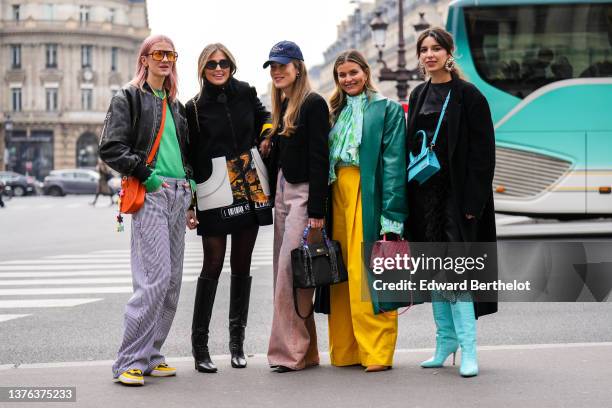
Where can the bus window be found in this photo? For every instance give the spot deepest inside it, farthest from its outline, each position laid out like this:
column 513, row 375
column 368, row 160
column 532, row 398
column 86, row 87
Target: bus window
column 521, row 48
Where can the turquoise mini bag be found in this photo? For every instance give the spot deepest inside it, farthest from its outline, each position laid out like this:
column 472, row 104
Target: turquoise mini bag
column 425, row 164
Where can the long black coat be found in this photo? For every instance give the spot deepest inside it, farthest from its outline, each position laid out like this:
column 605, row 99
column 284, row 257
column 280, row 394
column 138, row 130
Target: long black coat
column 471, row 144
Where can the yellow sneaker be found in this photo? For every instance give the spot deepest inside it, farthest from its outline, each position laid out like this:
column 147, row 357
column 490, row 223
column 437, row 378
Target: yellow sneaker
column 163, row 370
column 131, row 377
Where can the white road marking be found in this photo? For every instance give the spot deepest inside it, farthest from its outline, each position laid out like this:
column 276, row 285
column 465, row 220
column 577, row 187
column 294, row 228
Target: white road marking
column 44, row 303
column 325, row 355
column 114, row 272
column 65, row 291
column 103, row 261
column 98, row 267
column 4, row 318
column 79, row 281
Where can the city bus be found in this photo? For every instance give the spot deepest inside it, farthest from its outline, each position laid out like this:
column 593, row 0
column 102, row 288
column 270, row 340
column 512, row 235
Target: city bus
column 545, row 68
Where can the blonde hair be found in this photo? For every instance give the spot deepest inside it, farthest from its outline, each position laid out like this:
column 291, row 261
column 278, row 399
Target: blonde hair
column 301, row 89
column 338, row 98
column 205, row 55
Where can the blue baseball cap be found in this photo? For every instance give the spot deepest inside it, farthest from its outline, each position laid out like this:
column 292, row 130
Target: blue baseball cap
column 283, row 52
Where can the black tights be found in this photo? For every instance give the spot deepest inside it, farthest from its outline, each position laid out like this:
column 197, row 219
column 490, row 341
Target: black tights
column 240, row 258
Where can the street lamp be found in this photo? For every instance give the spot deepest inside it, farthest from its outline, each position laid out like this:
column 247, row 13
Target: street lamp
column 401, row 75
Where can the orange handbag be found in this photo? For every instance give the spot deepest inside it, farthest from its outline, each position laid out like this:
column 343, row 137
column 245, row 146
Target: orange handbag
column 132, row 194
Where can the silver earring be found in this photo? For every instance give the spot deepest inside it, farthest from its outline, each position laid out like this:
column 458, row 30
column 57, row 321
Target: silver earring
column 450, row 64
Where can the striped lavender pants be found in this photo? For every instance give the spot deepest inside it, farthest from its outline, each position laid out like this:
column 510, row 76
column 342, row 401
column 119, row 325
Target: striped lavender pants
column 158, row 243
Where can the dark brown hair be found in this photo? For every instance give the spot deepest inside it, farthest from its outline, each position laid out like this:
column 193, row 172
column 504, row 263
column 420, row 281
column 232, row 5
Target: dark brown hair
column 446, row 41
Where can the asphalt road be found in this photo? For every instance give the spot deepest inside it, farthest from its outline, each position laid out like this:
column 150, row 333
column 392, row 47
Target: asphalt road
column 62, row 249
column 64, row 281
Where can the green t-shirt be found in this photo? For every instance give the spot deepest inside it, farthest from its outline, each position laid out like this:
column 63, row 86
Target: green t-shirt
column 169, row 160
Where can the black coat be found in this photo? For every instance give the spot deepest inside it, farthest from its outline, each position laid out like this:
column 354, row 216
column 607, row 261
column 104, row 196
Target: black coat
column 304, row 156
column 471, row 147
column 214, row 133
column 226, row 121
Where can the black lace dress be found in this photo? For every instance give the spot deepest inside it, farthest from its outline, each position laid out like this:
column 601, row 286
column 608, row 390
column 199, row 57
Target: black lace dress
column 431, row 217
column 427, row 203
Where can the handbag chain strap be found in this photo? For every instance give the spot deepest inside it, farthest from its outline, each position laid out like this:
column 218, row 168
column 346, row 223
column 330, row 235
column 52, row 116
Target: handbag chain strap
column 433, row 142
column 307, row 254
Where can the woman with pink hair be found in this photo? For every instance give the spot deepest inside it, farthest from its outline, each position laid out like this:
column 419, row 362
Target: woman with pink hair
column 144, row 118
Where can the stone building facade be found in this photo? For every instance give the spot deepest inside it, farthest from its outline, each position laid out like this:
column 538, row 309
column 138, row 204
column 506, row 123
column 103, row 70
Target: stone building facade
column 63, row 61
column 355, row 32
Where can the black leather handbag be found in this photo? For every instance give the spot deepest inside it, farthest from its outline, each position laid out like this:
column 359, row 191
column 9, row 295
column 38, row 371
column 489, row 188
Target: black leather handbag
column 315, row 265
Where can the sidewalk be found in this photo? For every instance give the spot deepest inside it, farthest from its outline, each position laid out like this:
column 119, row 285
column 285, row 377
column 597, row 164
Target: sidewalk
column 553, row 375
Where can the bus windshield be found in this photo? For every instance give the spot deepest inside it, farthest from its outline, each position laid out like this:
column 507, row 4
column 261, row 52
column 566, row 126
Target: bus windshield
column 521, row 48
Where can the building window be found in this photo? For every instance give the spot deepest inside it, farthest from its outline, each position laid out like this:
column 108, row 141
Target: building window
column 16, row 12
column 51, row 99
column 49, row 12
column 111, row 16
column 16, row 56
column 84, row 12
column 114, row 58
column 16, row 99
column 87, row 99
column 51, row 55
column 86, row 52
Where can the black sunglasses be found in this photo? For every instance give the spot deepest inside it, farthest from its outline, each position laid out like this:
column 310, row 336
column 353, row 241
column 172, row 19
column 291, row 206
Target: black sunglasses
column 212, row 64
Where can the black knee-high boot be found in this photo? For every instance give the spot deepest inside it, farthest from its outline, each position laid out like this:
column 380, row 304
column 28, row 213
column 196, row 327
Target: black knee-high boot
column 240, row 292
column 202, row 311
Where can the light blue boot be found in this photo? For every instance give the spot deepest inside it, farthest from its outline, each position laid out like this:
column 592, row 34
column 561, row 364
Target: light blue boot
column 446, row 341
column 465, row 328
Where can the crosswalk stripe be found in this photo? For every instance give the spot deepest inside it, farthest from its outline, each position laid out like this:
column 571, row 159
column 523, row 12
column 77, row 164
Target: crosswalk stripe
column 114, row 272
column 98, row 267
column 77, row 281
column 127, row 256
column 81, row 274
column 194, row 250
column 34, row 263
column 4, row 318
column 44, row 303
column 100, row 261
column 65, row 291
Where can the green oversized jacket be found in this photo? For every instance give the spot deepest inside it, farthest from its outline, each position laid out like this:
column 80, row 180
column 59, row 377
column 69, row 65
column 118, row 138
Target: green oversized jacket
column 382, row 166
column 382, row 161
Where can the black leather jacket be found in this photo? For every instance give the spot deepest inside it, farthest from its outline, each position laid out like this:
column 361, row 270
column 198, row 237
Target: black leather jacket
column 130, row 127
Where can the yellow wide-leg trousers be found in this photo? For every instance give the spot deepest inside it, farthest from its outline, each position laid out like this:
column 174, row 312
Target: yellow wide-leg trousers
column 356, row 334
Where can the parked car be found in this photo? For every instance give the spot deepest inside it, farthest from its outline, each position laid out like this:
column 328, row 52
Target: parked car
column 75, row 181
column 20, row 185
column 71, row 181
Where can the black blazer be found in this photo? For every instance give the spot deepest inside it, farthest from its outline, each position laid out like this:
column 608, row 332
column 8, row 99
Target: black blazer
column 304, row 156
column 471, row 149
